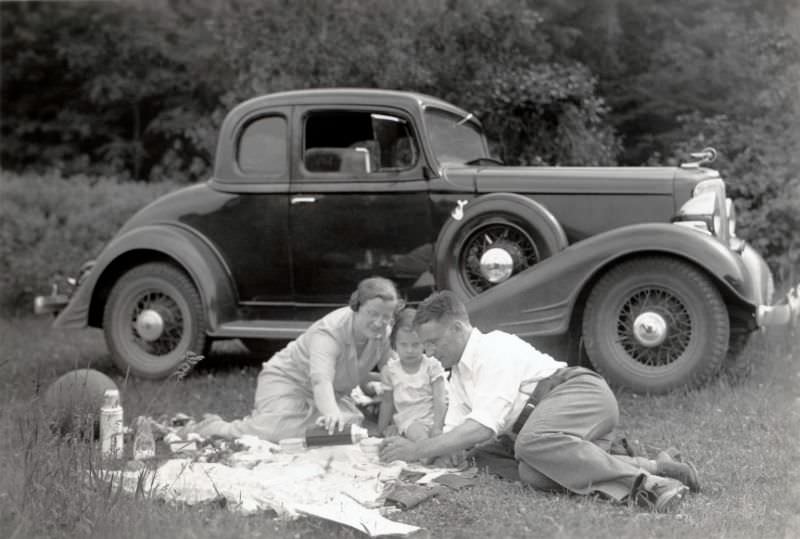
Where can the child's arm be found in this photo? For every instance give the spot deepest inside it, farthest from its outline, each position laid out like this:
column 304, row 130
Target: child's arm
column 387, row 410
column 371, row 385
column 439, row 406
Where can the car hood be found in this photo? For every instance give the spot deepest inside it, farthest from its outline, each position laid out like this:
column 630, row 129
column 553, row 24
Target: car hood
column 581, row 180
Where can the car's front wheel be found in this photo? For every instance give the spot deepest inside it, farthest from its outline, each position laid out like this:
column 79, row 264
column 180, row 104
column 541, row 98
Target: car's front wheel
column 153, row 317
column 655, row 324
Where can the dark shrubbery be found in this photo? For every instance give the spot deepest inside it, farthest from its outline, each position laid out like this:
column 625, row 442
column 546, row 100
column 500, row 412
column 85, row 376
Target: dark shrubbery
column 137, row 90
column 50, row 224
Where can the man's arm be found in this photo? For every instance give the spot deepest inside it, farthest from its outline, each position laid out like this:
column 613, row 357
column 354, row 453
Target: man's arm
column 464, row 436
column 439, row 406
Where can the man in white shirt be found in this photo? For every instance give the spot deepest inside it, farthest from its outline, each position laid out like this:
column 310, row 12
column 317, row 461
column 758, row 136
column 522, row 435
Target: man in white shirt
column 562, row 416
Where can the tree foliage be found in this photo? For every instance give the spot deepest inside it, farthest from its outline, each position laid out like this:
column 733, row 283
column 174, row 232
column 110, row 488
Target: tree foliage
column 137, row 89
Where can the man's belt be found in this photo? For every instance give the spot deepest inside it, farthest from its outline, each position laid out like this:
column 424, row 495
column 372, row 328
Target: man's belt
column 543, row 388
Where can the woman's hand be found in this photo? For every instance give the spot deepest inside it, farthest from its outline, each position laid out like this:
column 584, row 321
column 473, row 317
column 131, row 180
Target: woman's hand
column 332, row 422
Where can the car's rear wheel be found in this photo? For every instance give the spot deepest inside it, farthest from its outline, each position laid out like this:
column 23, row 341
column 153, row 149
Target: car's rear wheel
column 153, row 317
column 499, row 236
column 655, row 324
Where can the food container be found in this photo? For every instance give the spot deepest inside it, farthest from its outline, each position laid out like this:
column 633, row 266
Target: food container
column 371, row 447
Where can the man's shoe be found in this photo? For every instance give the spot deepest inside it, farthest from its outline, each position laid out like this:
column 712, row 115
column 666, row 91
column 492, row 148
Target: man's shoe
column 685, row 472
column 671, row 452
column 660, row 494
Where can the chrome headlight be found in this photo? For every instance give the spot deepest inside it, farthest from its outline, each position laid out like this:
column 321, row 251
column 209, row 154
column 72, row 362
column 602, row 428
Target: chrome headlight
column 707, row 210
column 731, row 211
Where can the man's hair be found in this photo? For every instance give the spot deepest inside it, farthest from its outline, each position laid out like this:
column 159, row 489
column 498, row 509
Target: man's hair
column 371, row 288
column 440, row 306
column 403, row 320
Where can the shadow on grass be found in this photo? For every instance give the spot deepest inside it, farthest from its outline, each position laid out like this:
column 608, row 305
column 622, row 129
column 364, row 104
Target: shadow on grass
column 231, row 355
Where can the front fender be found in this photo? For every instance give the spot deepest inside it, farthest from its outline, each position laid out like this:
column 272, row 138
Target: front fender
column 184, row 247
column 540, row 300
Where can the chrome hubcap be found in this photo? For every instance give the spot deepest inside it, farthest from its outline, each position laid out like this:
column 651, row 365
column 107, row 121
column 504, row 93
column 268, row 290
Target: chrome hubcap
column 650, row 329
column 496, row 265
column 149, row 325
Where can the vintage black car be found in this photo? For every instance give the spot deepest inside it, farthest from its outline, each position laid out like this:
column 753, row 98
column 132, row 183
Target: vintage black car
column 636, row 271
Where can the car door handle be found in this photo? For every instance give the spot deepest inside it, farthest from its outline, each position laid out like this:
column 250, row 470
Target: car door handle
column 303, row 200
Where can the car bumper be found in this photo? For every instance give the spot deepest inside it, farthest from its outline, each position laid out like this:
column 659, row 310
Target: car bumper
column 768, row 312
column 58, row 301
column 52, row 304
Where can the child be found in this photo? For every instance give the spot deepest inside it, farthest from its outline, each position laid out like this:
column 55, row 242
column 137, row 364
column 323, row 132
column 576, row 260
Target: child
column 414, row 392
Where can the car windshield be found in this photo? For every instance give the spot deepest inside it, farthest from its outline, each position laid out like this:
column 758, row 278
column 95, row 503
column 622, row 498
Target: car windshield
column 454, row 139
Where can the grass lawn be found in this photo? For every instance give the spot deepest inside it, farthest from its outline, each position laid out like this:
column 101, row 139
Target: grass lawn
column 744, row 437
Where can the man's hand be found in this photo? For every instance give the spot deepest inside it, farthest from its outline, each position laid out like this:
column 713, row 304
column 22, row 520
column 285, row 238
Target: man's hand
column 398, row 448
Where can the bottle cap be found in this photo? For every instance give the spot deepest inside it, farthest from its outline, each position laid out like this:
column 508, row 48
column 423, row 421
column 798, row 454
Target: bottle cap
column 358, row 433
column 111, row 398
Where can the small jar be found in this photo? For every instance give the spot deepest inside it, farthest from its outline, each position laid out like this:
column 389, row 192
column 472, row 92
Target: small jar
column 371, row 447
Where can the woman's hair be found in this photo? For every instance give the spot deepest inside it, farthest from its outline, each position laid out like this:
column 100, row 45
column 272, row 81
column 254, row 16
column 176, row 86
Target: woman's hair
column 373, row 287
column 444, row 305
column 403, row 320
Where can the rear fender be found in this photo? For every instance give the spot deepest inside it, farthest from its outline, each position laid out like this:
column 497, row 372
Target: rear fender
column 186, row 249
column 540, row 300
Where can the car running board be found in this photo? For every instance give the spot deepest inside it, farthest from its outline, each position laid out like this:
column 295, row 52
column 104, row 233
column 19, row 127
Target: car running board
column 260, row 329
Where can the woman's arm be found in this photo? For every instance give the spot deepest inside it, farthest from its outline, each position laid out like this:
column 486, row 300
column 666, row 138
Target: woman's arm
column 439, row 406
column 323, row 353
column 324, row 399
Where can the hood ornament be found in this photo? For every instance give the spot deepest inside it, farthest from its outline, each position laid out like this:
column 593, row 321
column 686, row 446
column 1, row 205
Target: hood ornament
column 703, row 157
column 458, row 211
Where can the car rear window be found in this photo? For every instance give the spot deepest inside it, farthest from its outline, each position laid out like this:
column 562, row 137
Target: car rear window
column 262, row 147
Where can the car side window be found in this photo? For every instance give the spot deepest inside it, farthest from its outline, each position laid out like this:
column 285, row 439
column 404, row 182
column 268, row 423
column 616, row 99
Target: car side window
column 262, row 147
column 357, row 143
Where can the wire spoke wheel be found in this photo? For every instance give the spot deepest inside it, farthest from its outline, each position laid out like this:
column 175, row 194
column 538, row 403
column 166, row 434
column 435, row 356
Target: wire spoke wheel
column 654, row 324
column 503, row 235
column 498, row 236
column 678, row 322
column 169, row 312
column 152, row 319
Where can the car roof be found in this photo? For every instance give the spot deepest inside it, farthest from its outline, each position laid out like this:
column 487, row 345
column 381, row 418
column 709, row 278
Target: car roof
column 346, row 96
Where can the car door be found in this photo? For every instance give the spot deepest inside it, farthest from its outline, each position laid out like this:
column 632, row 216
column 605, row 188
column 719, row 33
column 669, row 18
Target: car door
column 250, row 229
column 358, row 206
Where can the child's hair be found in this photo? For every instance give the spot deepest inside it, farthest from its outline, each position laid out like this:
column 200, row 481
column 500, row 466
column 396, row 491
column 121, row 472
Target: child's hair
column 403, row 320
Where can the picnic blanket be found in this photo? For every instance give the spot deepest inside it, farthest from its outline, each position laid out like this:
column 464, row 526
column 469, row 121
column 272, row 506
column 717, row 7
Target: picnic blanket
column 338, row 483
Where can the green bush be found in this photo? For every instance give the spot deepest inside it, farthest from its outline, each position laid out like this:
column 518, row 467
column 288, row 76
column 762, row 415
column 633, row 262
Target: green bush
column 50, row 225
column 760, row 164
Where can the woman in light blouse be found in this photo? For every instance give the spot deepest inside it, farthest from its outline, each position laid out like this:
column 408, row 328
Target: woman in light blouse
column 309, row 382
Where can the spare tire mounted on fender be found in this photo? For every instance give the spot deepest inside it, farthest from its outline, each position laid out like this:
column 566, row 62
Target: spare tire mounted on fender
column 499, row 235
